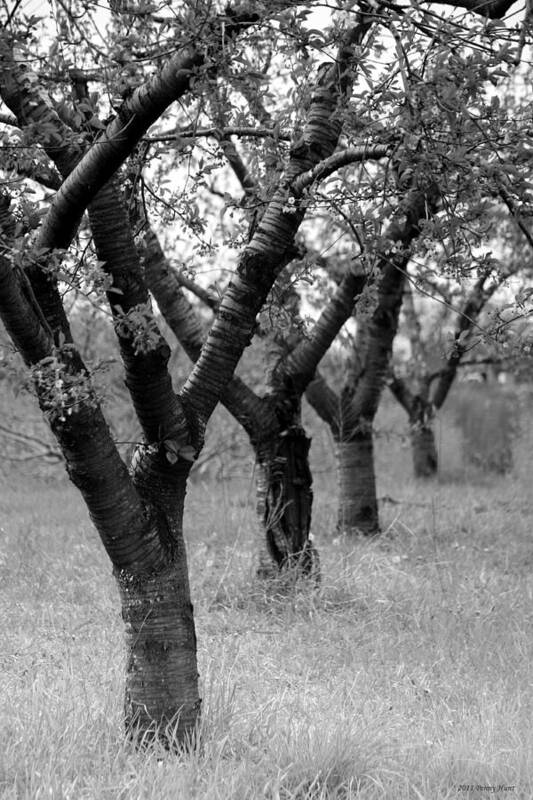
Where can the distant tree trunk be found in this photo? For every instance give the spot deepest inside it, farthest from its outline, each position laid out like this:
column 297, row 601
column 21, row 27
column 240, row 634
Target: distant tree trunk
column 424, row 451
column 284, row 502
column 423, row 446
column 420, row 412
column 358, row 507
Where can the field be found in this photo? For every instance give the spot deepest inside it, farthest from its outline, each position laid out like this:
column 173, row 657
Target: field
column 407, row 674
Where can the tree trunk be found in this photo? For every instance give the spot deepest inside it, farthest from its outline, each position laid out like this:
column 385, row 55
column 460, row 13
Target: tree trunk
column 424, row 450
column 358, row 505
column 161, row 698
column 284, row 503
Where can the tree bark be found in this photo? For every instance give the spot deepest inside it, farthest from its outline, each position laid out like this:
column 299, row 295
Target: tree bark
column 424, row 450
column 284, row 503
column 135, row 115
column 358, row 507
column 139, row 515
column 161, row 697
column 272, row 245
column 420, row 411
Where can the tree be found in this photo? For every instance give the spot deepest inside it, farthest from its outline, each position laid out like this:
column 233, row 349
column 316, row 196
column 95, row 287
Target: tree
column 448, row 185
column 138, row 512
column 422, row 393
column 350, row 415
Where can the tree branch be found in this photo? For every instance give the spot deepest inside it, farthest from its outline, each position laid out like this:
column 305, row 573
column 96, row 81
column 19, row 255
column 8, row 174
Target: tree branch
column 466, row 319
column 363, row 397
column 207, row 297
column 494, row 9
column 144, row 351
column 338, row 160
column 7, row 119
column 136, row 114
column 325, row 401
column 164, row 282
column 32, row 107
column 272, row 244
column 68, row 399
column 19, row 309
column 401, row 392
column 179, row 135
column 300, row 365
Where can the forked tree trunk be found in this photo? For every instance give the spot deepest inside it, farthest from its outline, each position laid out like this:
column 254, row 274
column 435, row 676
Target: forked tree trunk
column 358, row 506
column 161, row 697
column 284, row 503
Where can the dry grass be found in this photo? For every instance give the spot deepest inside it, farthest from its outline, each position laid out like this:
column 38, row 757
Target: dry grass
column 408, row 674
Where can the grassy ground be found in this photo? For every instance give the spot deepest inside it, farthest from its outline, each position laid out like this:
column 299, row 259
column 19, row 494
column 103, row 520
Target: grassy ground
column 408, row 674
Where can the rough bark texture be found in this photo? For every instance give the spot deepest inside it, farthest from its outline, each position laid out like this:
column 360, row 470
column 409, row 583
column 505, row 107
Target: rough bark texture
column 161, row 678
column 272, row 422
column 284, row 502
column 161, row 698
column 139, row 522
column 157, row 407
column 358, row 508
column 145, row 538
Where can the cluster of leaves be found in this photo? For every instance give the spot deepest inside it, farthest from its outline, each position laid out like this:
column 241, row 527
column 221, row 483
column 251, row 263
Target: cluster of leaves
column 60, row 390
column 139, row 326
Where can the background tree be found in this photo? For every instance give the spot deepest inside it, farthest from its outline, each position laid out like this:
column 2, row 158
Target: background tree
column 453, row 124
column 424, row 384
column 351, row 415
